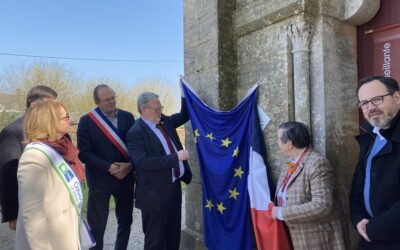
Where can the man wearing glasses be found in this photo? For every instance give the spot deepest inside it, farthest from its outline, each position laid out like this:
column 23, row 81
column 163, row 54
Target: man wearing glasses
column 101, row 142
column 161, row 165
column 375, row 192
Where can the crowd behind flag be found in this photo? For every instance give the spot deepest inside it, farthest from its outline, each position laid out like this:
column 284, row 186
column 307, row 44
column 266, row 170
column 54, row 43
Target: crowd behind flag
column 233, row 170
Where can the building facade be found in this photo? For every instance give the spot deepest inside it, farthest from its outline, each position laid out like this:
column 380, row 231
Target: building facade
column 305, row 54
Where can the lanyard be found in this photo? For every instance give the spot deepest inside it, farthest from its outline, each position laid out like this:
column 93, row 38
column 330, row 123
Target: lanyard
column 292, row 167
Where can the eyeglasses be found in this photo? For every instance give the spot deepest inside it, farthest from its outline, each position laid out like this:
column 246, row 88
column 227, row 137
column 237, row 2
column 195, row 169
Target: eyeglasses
column 65, row 118
column 111, row 99
column 157, row 110
column 377, row 100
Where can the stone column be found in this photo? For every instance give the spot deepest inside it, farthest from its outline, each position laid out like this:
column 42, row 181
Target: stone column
column 300, row 33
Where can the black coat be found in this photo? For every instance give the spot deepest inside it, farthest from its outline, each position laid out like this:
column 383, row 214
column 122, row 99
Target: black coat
column 98, row 152
column 154, row 187
column 10, row 151
column 384, row 227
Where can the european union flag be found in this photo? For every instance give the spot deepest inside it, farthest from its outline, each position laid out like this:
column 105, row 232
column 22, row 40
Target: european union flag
column 223, row 144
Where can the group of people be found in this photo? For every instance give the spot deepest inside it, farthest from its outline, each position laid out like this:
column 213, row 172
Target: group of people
column 306, row 196
column 41, row 171
column 143, row 161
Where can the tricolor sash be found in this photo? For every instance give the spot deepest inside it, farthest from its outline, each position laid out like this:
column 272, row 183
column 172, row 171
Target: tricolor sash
column 109, row 130
column 71, row 183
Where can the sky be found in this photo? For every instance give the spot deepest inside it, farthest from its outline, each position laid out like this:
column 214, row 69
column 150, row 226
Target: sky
column 96, row 29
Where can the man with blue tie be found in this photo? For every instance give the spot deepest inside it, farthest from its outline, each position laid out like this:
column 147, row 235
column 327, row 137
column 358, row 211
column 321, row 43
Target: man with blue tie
column 375, row 192
column 161, row 164
column 101, row 141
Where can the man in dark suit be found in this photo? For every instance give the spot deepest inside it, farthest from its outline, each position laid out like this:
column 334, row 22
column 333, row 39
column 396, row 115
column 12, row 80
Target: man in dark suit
column 161, row 164
column 375, row 191
column 11, row 148
column 101, row 142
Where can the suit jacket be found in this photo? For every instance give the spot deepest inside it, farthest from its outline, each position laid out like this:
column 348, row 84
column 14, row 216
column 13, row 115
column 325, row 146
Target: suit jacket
column 154, row 187
column 313, row 212
column 383, row 228
column 47, row 218
column 10, row 151
column 98, row 152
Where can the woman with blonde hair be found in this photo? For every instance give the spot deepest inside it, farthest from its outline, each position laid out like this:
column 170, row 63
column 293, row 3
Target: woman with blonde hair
column 49, row 175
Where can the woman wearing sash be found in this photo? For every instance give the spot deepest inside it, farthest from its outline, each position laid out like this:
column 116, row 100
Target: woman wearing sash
column 49, row 175
column 306, row 193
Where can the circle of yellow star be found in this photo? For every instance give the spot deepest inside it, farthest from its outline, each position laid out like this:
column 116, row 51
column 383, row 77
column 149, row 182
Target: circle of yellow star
column 233, row 193
column 236, row 152
column 238, row 172
column 210, row 135
column 209, row 204
column 221, row 207
column 226, row 142
column 196, row 134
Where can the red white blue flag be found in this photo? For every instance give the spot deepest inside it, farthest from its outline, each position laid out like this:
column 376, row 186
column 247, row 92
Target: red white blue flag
column 234, row 174
column 109, row 130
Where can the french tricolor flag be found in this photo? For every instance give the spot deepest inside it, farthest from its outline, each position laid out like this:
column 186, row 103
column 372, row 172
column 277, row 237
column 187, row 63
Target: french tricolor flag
column 234, row 174
column 270, row 234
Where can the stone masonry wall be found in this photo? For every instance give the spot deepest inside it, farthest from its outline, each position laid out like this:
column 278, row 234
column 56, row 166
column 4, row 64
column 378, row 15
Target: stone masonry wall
column 303, row 55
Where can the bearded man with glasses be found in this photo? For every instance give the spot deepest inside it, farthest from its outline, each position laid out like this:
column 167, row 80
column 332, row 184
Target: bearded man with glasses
column 375, row 192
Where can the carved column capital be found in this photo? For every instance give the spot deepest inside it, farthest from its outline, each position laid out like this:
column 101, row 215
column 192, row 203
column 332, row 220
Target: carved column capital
column 300, row 33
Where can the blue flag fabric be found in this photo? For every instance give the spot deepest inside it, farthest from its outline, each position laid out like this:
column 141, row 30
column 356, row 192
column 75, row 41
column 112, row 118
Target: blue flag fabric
column 223, row 144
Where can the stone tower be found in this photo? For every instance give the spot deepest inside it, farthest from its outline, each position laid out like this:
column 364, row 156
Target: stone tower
column 303, row 54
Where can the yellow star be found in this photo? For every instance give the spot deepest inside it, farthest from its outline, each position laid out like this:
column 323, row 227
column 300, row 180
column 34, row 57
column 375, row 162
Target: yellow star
column 209, row 204
column 210, row 135
column 234, row 193
column 238, row 172
column 196, row 134
column 236, row 152
column 226, row 142
column 221, row 207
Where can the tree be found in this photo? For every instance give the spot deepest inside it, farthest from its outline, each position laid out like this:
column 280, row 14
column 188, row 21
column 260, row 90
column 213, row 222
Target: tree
column 77, row 94
column 168, row 96
column 18, row 80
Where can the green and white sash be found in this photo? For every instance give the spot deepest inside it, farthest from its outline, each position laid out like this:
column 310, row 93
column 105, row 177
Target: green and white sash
column 71, row 182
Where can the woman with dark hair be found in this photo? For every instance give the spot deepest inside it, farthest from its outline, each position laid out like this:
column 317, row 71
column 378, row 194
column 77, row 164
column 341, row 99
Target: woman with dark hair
column 306, row 195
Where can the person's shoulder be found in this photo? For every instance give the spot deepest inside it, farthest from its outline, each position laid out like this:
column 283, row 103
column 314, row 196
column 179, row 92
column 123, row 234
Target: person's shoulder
column 34, row 156
column 13, row 129
column 318, row 159
column 313, row 156
column 138, row 125
column 14, row 126
column 84, row 118
column 125, row 112
column 316, row 154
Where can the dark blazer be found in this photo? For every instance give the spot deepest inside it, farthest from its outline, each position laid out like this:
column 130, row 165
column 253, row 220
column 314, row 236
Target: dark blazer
column 10, row 151
column 383, row 228
column 154, row 187
column 97, row 151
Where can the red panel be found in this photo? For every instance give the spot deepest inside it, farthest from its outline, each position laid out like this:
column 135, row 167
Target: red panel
column 386, row 53
column 370, row 45
column 388, row 14
column 395, row 11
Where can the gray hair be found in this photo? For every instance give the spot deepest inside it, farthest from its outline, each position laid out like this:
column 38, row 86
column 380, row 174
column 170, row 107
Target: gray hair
column 144, row 98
